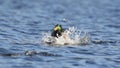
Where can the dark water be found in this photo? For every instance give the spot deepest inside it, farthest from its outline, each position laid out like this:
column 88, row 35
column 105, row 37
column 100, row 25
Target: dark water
column 23, row 21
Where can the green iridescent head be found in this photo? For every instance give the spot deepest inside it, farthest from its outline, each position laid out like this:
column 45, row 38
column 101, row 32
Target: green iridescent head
column 58, row 27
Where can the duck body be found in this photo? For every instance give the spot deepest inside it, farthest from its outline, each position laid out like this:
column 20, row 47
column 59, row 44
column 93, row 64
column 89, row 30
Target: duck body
column 57, row 31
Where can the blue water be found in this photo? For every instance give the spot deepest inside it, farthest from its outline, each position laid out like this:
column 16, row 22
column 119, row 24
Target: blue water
column 22, row 23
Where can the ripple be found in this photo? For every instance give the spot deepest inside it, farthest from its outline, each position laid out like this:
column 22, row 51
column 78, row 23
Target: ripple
column 102, row 42
column 30, row 53
column 6, row 25
column 23, row 21
column 116, row 60
column 19, row 5
column 90, row 61
column 4, row 51
column 114, row 26
column 27, row 53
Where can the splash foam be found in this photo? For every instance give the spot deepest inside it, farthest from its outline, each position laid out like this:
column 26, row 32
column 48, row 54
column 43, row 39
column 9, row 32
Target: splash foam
column 72, row 36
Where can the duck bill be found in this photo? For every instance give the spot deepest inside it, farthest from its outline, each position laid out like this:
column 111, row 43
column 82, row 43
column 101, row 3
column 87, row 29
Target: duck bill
column 56, row 28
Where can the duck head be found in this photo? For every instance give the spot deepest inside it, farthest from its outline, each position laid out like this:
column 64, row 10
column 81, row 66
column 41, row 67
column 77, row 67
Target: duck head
column 58, row 27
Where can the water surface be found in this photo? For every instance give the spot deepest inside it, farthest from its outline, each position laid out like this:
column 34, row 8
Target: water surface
column 22, row 23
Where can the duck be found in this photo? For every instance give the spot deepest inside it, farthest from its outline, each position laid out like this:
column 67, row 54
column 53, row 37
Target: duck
column 57, row 31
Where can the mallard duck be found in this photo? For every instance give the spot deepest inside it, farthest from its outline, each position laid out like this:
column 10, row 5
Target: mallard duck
column 57, row 31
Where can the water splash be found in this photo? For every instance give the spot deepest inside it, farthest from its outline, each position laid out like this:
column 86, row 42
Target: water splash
column 71, row 36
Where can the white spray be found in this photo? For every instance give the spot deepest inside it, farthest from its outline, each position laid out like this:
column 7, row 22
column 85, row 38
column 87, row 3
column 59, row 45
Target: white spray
column 72, row 36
